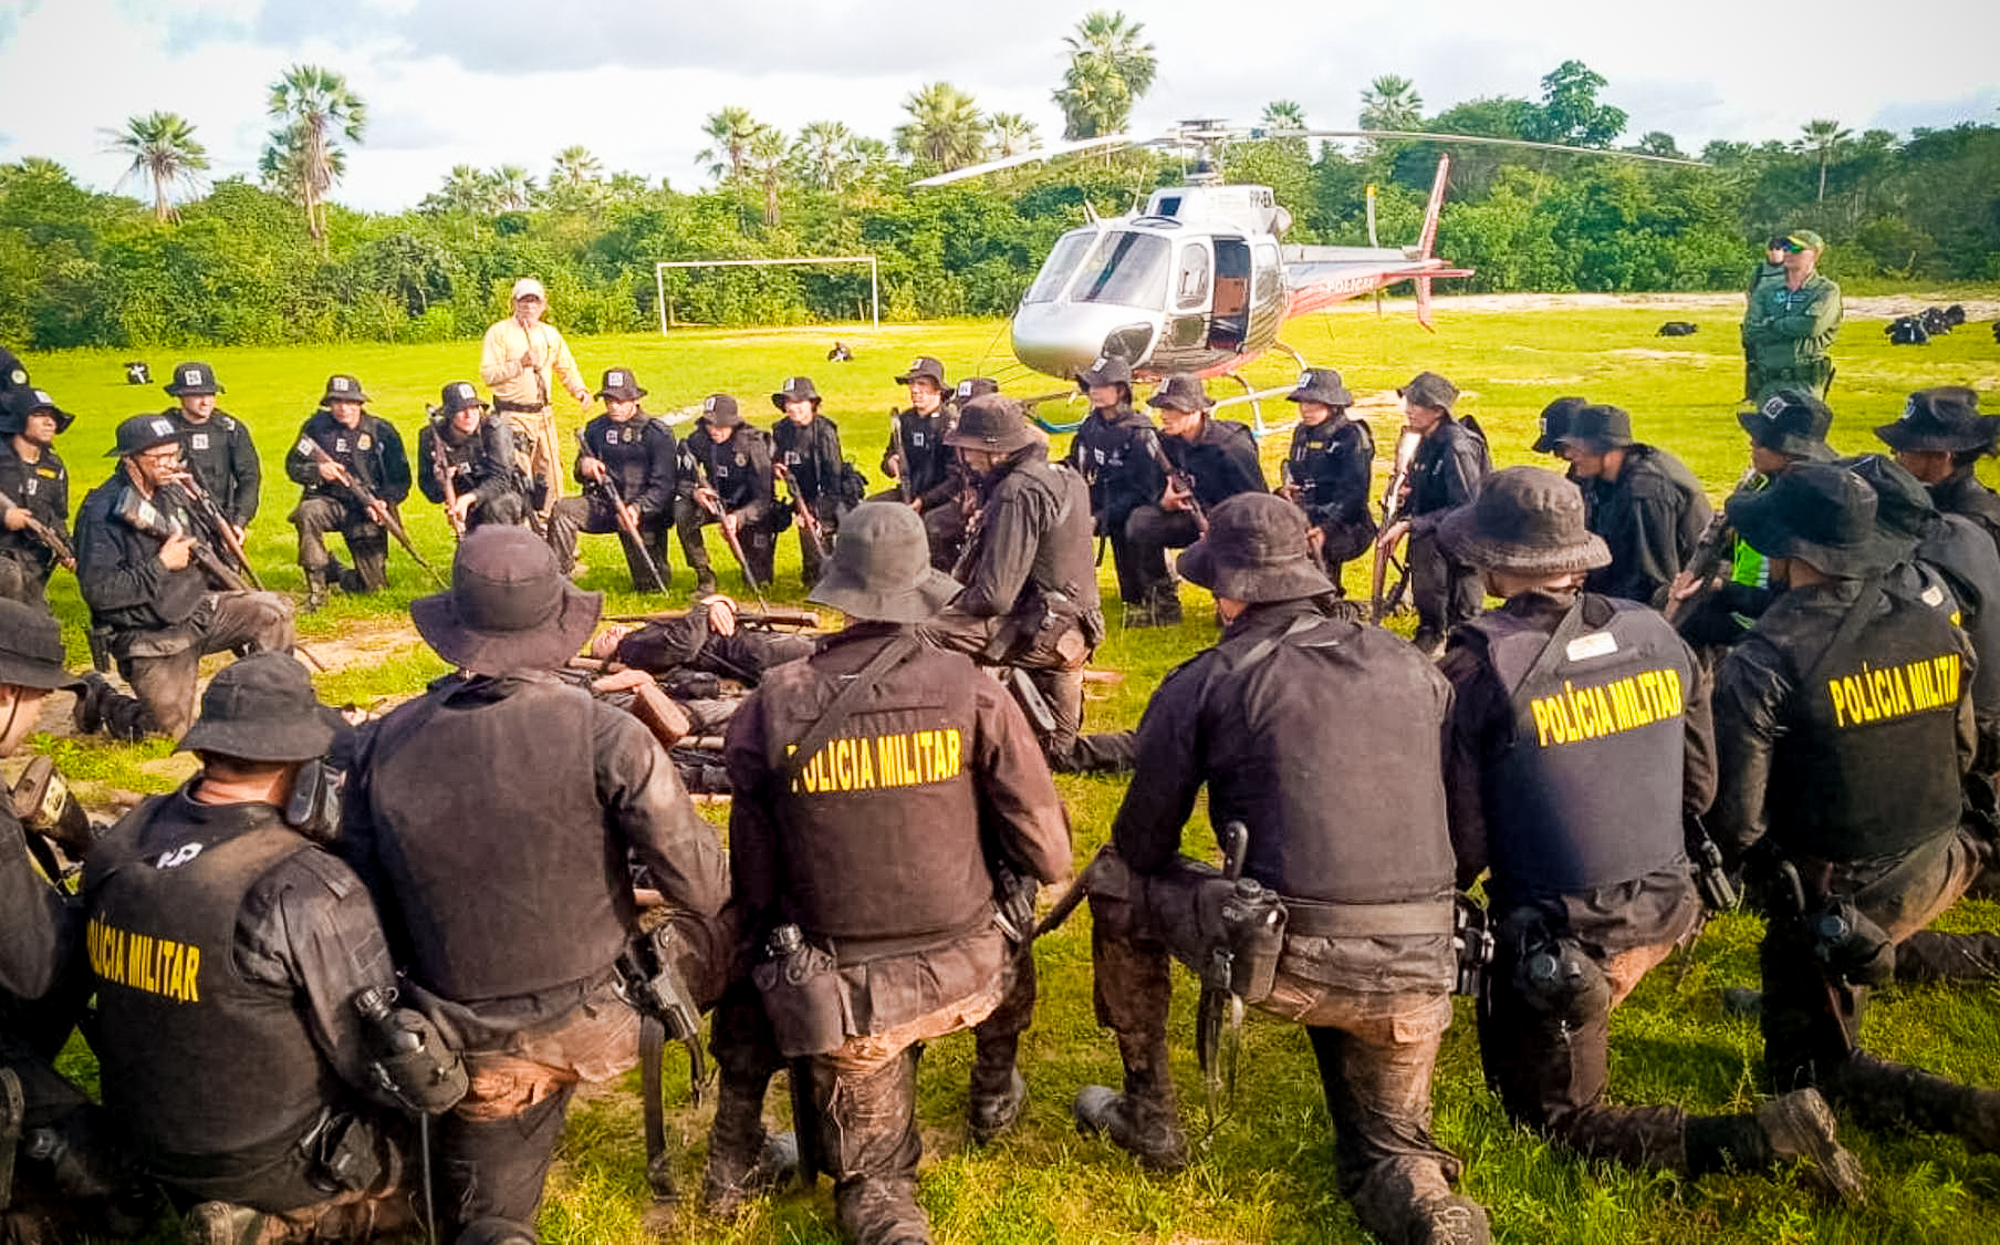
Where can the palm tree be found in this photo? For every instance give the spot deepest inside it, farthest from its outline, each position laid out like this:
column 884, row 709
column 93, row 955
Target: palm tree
column 164, row 151
column 1109, row 69
column 575, row 167
column 1012, row 134
column 1822, row 136
column 318, row 110
column 1391, row 102
column 1284, row 114
column 283, row 164
column 513, row 189
column 766, row 159
column 731, row 130
column 825, row 152
column 944, row 128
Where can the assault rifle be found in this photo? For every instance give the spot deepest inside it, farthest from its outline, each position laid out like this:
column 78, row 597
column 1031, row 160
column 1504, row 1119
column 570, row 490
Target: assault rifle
column 627, row 518
column 1382, row 597
column 220, row 530
column 769, row 616
column 902, row 455
column 1177, row 480
column 729, row 535
column 441, row 468
column 41, row 531
column 808, row 520
column 379, row 510
column 1711, row 552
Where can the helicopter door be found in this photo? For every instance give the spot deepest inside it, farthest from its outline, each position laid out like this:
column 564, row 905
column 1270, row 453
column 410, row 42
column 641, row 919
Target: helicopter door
column 1190, row 302
column 1230, row 322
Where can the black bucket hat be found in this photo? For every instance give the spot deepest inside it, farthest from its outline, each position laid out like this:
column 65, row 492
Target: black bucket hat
column 31, row 649
column 1322, row 385
column 620, row 385
column 719, row 409
column 1946, row 418
column 1596, row 429
column 1525, row 521
column 925, row 368
column 1430, row 389
column 1820, row 514
column 459, row 395
column 25, row 401
column 342, row 388
column 1108, row 369
column 193, row 380
column 1792, row 422
column 992, row 423
column 1903, row 506
column 1255, row 550
column 262, row 708
column 797, row 389
column 1183, row 391
column 139, row 433
column 974, row 387
column 510, row 607
column 880, row 569
column 1554, row 424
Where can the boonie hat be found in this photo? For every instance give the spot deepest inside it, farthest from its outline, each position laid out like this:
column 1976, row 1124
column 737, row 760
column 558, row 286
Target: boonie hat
column 459, row 395
column 992, row 423
column 20, row 403
column 1183, row 391
column 1107, row 370
column 719, row 409
column 528, row 285
column 1793, row 422
column 1820, row 514
column 1596, row 429
column 139, row 433
column 1255, row 550
column 620, row 386
column 796, row 389
column 1554, row 423
column 1945, row 418
column 31, row 649
column 1526, row 521
column 973, row 387
column 880, row 569
column 1430, row 389
column 510, row 607
column 1903, row 506
column 342, row 388
column 1322, row 385
column 925, row 368
column 192, row 380
column 262, row 708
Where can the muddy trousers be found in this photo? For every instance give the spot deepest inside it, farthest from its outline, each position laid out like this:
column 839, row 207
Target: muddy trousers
column 162, row 666
column 367, row 543
column 573, row 516
column 1444, row 590
column 759, row 543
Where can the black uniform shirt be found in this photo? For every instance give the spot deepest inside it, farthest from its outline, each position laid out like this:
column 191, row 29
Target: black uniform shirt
column 1332, row 463
column 37, row 929
column 42, row 489
column 1034, row 537
column 738, row 469
column 1445, row 473
column 118, row 567
column 1652, row 516
column 810, row 455
column 372, row 452
column 480, row 462
column 220, row 454
column 639, row 454
column 1962, row 493
column 929, row 465
column 1221, row 462
column 1110, row 450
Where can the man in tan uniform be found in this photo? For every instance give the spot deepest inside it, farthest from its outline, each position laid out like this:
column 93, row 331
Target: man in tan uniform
column 516, row 360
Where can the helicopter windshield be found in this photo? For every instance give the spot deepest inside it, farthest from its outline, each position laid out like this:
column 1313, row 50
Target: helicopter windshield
column 1060, row 266
column 1125, row 268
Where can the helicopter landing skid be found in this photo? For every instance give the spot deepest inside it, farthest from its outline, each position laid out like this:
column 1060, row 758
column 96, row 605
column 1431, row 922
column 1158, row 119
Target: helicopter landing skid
column 1254, row 398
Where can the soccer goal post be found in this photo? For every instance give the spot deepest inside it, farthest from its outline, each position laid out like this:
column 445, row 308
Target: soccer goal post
column 874, row 276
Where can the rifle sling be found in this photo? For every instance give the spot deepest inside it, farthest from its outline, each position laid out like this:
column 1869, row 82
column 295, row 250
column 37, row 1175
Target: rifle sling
column 893, row 654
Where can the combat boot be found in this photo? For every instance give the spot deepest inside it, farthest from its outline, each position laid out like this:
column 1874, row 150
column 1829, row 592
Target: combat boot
column 315, row 591
column 13, row 1110
column 1449, row 1220
column 1800, row 1125
column 998, row 1090
column 1144, row 1120
column 1165, row 606
column 1881, row 1094
column 87, row 714
column 221, row 1223
column 743, row 1159
column 1138, row 614
column 1930, row 956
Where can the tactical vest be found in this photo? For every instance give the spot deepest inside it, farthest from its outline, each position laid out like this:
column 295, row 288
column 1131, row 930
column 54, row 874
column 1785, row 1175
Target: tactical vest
column 927, row 459
column 626, row 450
column 1064, row 559
column 1869, row 764
column 196, row 1061
column 358, row 449
column 207, row 448
column 507, row 882
column 1962, row 554
column 1589, row 791
column 879, row 832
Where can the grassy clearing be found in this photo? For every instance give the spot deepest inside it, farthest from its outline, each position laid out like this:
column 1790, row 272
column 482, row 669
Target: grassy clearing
column 1266, row 1174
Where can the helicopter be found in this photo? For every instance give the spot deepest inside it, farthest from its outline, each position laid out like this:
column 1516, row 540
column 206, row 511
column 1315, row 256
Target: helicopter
column 1200, row 280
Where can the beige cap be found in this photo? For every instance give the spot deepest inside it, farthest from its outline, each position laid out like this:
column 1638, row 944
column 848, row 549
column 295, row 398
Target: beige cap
column 528, row 285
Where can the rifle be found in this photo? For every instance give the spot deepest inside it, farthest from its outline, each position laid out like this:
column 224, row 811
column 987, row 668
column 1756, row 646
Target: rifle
column 44, row 533
column 374, row 505
column 1177, row 480
column 628, row 519
column 769, row 617
column 808, row 520
column 220, row 529
column 1219, row 1000
column 441, row 468
column 1711, row 552
column 735, row 545
column 902, row 455
column 1381, row 604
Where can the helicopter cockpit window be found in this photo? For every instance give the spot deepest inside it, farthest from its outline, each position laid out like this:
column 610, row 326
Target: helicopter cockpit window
column 1127, row 268
column 1192, row 288
column 1266, row 267
column 1060, row 266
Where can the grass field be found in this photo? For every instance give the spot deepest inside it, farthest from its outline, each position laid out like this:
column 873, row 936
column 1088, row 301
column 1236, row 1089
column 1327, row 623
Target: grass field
column 1266, row 1173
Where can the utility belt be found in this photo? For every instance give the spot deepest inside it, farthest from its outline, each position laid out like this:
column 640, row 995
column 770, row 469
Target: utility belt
column 1311, row 918
column 1049, row 631
column 519, row 408
column 1846, row 943
column 804, row 993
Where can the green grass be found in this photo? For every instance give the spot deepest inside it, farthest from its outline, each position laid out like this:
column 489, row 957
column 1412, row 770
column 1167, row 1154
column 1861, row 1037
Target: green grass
column 1266, row 1174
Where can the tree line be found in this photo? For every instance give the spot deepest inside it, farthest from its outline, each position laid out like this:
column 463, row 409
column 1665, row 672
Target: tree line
column 279, row 260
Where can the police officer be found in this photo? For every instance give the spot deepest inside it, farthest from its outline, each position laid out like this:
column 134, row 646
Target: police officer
column 216, row 445
column 1204, row 462
column 1590, row 884
column 1111, row 450
column 1939, row 438
column 1552, row 425
column 923, row 466
column 339, row 446
column 1359, row 853
column 635, row 454
column 1328, row 470
column 36, row 485
column 508, row 899
column 1789, row 325
column 140, row 572
column 236, row 1052
column 710, row 638
column 806, row 452
column 1450, row 462
column 474, row 451
column 881, row 788
column 727, row 479
column 1646, row 505
column 1843, row 723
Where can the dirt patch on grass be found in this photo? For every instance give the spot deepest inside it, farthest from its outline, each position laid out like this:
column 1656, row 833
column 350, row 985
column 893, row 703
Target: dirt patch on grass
column 1862, row 307
column 1640, row 352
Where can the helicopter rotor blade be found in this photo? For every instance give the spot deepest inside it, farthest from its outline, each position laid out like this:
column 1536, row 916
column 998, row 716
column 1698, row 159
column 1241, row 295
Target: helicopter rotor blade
column 1110, row 142
column 1424, row 136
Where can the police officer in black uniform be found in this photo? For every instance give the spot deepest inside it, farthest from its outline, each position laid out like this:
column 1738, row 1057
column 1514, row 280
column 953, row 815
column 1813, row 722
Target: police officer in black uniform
column 236, row 1048
column 1329, row 468
column 36, row 485
column 159, row 611
column 1210, row 460
column 727, row 479
column 883, row 791
column 508, row 900
column 1450, row 462
column 1843, row 726
column 1939, row 438
column 475, row 452
column 637, row 454
column 358, row 446
column 710, row 638
column 806, row 451
column 924, row 468
column 1358, row 852
column 1645, row 504
column 1590, row 884
column 1112, row 451
column 216, row 444
column 1552, row 425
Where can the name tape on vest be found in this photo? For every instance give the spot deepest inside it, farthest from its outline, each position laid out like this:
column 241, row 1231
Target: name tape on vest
column 1577, row 714
column 877, row 762
column 1871, row 695
column 159, row 966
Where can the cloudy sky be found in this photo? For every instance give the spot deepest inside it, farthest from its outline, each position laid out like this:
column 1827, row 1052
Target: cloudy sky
column 488, row 82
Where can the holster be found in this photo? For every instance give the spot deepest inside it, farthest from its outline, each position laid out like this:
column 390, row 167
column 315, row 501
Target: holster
column 1202, row 917
column 804, row 1001
column 100, row 649
column 651, row 981
column 1549, row 970
column 1052, row 633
